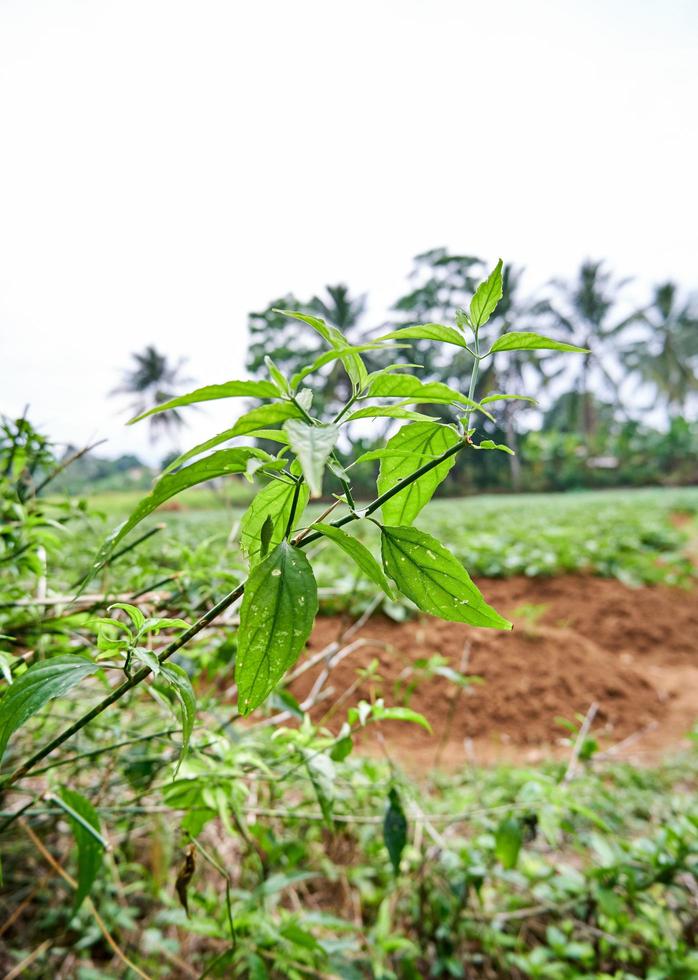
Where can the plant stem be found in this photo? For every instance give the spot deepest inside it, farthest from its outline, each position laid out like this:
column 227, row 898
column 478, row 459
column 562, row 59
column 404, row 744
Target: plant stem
column 208, row 618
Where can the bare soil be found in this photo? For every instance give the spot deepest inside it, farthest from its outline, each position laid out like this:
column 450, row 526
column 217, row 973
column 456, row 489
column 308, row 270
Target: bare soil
column 577, row 641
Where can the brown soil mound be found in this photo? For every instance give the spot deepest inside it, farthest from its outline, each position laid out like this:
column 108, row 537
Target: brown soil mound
column 633, row 652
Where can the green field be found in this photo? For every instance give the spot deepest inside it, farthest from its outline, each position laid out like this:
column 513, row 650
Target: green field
column 514, row 871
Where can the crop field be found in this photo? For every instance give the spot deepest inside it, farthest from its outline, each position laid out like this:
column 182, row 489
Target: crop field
column 546, row 776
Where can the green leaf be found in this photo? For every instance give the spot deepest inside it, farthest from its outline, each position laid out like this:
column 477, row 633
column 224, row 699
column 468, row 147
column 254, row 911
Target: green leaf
column 221, row 463
column 500, row 398
column 91, row 846
column 532, row 341
column 411, row 447
column 507, row 842
column 429, row 575
column 178, row 679
column 490, row 444
column 408, row 387
column 333, row 355
column 348, row 355
column 147, row 658
column 43, row 681
column 277, row 377
column 398, row 713
column 342, row 748
column 276, row 617
column 427, row 331
column 387, row 412
column 360, row 554
column 133, row 613
column 229, row 389
column 256, row 420
column 395, row 829
column 487, row 295
column 312, row 444
column 274, row 502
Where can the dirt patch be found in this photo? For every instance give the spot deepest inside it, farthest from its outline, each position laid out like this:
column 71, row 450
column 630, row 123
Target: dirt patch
column 577, row 641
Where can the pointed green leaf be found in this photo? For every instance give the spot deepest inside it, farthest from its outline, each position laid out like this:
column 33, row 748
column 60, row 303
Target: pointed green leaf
column 408, row 387
column 429, row 575
column 133, row 613
column 413, row 445
column 359, row 553
column 500, row 398
column 427, row 331
column 312, row 444
column 43, row 681
column 256, row 420
column 178, row 679
column 487, row 295
column 221, row 463
column 532, row 341
column 387, row 412
column 83, row 817
column 276, row 617
column 490, row 444
column 273, row 502
column 508, row 840
column 333, row 355
column 395, row 829
column 229, row 389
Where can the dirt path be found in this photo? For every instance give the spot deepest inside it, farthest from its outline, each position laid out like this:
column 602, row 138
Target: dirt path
column 577, row 640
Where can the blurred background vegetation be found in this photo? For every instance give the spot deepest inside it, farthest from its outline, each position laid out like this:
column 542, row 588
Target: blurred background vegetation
column 625, row 415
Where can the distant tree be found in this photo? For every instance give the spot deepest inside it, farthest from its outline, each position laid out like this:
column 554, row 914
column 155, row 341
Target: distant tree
column 666, row 357
column 152, row 380
column 586, row 310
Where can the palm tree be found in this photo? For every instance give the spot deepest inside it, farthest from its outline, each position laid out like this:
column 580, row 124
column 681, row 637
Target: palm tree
column 586, row 310
column 152, row 380
column 667, row 357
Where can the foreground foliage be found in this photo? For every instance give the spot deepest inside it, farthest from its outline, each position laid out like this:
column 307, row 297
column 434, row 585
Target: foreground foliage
column 260, row 846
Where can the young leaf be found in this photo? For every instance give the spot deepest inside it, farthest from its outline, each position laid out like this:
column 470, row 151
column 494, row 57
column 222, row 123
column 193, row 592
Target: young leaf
column 217, row 464
column 429, row 575
column 500, row 398
column 333, row 355
column 412, row 446
column 230, row 389
column 532, row 341
column 312, row 444
column 81, row 812
column 507, row 842
column 133, row 613
column 408, row 387
column 43, row 681
column 348, row 355
column 276, row 617
column 277, row 377
column 427, row 331
column 387, row 412
column 178, row 679
column 274, row 502
column 487, row 295
column 360, row 554
column 395, row 829
column 255, row 420
column 490, row 444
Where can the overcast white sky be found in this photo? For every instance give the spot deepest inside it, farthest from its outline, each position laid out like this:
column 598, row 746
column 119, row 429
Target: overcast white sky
column 167, row 166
